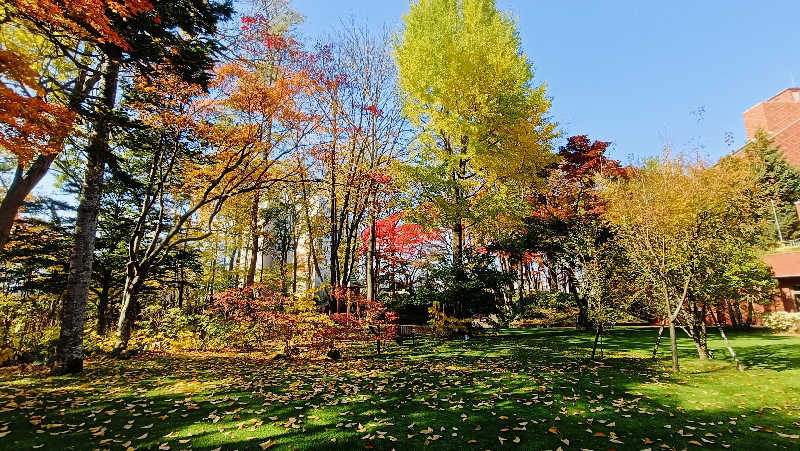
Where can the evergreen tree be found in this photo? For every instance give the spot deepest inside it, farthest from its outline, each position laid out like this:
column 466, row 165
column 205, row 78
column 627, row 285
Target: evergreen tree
column 176, row 34
column 781, row 184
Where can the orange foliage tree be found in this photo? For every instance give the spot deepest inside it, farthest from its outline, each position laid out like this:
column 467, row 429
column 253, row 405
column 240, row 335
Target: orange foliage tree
column 245, row 137
column 36, row 117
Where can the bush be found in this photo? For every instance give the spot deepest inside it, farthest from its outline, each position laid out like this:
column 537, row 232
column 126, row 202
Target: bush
column 546, row 309
column 782, row 321
column 474, row 288
column 27, row 332
column 258, row 317
column 444, row 326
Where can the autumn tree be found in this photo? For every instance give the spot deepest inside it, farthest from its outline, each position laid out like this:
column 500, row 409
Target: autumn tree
column 360, row 135
column 49, row 65
column 398, row 247
column 267, row 47
column 206, row 150
column 565, row 227
column 678, row 223
column 177, row 34
column 483, row 133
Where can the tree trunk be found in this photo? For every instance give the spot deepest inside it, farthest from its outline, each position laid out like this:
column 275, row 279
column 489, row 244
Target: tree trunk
column 583, row 305
column 294, row 264
column 596, row 339
column 698, row 332
column 658, row 340
column 673, row 342
column 739, row 365
column 129, row 309
column 254, row 229
column 458, row 245
column 731, row 315
column 371, row 260
column 69, row 352
column 23, row 183
column 20, row 187
column 102, row 307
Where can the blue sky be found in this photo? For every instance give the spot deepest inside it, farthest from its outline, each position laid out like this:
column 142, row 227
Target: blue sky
column 639, row 74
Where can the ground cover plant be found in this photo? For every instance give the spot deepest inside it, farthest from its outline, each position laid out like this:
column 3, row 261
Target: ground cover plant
column 529, row 389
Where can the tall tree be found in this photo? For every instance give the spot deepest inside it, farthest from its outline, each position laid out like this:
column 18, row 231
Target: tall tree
column 177, row 34
column 207, row 150
column 483, row 130
column 571, row 209
column 781, row 184
column 360, row 135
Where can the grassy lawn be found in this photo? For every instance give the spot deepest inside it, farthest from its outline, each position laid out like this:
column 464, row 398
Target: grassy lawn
column 523, row 389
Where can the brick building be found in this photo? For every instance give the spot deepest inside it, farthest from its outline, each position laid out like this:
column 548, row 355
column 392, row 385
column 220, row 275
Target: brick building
column 779, row 117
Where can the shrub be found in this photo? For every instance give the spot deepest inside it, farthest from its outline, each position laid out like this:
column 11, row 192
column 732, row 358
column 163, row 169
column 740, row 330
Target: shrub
column 444, row 326
column 546, row 309
column 782, row 321
column 259, row 317
column 27, row 331
column 476, row 287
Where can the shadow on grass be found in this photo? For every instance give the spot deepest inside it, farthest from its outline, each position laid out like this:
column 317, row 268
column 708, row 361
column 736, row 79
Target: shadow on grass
column 534, row 387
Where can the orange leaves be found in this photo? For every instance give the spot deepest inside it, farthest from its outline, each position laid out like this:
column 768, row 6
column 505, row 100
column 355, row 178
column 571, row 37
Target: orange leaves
column 85, row 19
column 28, row 124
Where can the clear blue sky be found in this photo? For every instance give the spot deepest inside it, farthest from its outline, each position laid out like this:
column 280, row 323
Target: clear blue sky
column 633, row 72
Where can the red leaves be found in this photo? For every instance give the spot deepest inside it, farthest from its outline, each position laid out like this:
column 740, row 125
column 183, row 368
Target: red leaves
column 260, row 32
column 28, row 125
column 399, row 242
column 572, row 190
column 373, row 109
column 582, row 158
column 262, row 314
column 31, row 123
column 380, row 178
column 85, row 19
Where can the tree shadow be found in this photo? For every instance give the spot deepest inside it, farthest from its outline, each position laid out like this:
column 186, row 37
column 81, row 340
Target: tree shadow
column 487, row 392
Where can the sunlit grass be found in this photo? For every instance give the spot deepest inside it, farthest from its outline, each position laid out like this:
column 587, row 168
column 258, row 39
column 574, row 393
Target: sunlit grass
column 536, row 388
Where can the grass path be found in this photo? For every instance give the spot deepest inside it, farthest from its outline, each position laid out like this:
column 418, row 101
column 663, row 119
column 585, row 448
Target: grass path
column 520, row 389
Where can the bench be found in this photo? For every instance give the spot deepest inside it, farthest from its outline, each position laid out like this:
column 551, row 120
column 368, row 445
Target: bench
column 405, row 332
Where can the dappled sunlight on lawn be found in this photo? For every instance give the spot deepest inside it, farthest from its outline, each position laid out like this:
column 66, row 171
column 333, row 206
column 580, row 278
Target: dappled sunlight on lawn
column 532, row 389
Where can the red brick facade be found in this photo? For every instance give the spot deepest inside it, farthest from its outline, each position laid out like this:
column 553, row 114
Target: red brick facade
column 780, row 118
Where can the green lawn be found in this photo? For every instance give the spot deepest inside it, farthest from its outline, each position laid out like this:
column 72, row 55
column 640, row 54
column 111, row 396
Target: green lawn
column 523, row 389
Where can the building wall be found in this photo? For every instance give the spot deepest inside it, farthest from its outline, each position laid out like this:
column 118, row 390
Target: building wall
column 780, row 118
column 785, row 300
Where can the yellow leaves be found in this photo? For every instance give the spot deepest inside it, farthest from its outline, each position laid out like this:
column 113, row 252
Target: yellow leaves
column 266, row 445
column 553, row 430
